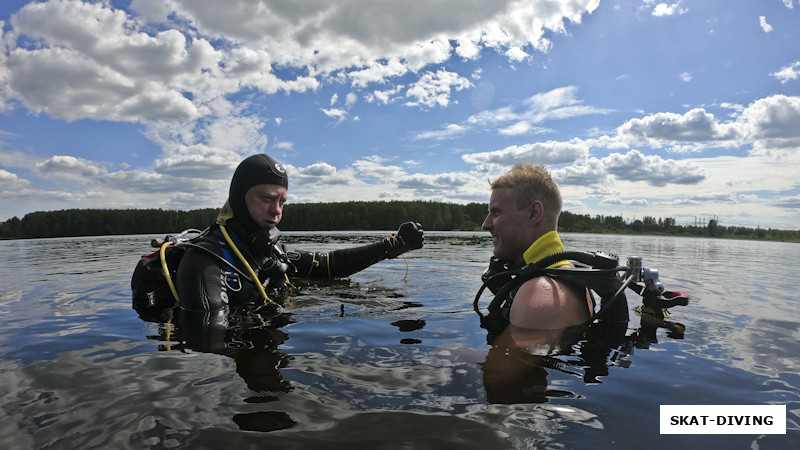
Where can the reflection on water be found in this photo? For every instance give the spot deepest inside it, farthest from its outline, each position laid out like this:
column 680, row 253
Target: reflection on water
column 383, row 360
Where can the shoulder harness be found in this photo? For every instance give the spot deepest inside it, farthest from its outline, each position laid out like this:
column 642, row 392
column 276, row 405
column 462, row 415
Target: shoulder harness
column 597, row 271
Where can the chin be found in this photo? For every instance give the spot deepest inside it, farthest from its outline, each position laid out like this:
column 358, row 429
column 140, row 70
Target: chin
column 503, row 257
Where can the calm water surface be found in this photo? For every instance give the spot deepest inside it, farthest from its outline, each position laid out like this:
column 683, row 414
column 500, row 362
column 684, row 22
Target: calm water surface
column 385, row 361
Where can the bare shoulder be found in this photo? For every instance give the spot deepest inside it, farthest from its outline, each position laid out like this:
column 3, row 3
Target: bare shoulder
column 547, row 304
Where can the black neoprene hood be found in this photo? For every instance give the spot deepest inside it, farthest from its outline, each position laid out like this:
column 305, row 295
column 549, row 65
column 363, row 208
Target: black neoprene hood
column 255, row 170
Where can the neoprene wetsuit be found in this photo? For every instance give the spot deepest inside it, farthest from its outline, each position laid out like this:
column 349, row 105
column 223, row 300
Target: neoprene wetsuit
column 205, row 282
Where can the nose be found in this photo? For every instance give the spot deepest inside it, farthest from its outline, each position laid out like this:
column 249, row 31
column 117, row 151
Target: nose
column 275, row 208
column 487, row 224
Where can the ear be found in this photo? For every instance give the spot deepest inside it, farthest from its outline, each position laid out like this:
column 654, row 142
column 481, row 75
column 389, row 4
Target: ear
column 536, row 211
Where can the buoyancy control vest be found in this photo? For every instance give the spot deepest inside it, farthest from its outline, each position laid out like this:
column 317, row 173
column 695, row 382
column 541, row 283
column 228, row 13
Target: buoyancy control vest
column 598, row 272
column 207, row 280
column 154, row 279
column 594, row 271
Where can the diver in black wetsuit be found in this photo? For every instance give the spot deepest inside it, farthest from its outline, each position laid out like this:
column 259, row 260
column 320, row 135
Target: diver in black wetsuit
column 239, row 262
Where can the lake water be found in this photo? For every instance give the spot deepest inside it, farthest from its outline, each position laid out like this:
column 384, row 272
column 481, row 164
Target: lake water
column 385, row 361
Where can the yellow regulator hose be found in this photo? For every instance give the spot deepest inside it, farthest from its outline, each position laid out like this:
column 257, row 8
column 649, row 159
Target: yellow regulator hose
column 246, row 264
column 164, row 267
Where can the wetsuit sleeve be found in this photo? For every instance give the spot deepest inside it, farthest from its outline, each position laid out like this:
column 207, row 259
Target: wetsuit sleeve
column 338, row 263
column 200, row 282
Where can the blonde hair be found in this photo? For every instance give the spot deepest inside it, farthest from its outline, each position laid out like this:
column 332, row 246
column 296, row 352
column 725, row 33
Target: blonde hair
column 529, row 183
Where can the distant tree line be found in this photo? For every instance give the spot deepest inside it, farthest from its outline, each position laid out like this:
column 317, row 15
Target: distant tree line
column 102, row 222
column 667, row 226
column 434, row 216
column 381, row 216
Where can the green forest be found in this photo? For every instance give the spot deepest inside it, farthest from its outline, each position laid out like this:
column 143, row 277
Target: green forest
column 434, row 216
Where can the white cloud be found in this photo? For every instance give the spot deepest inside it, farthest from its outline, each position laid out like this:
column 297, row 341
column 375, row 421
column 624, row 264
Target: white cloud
column 377, row 72
column 559, row 103
column 634, row 202
column 378, row 167
column 776, row 117
column 711, row 197
column 788, row 73
column 336, row 113
column 234, row 132
column 154, row 183
column 663, row 9
column 425, row 182
column 768, row 124
column 697, row 125
column 253, row 67
column 448, row 131
column 550, row 152
column 90, row 62
column 340, row 113
column 764, row 25
column 177, row 66
column 686, row 77
column 10, row 180
column 198, row 161
column 781, row 150
column 64, row 166
column 652, row 169
column 384, row 96
column 54, row 198
column 733, row 106
column 334, row 36
column 515, row 53
column 319, row 174
column 374, row 176
column 467, row 49
column 633, row 166
column 350, row 99
column 57, row 82
column 84, row 184
column 590, row 172
column 434, row 88
column 789, row 202
column 515, row 129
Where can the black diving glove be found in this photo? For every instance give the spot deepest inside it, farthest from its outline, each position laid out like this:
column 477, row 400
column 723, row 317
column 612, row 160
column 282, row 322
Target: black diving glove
column 408, row 237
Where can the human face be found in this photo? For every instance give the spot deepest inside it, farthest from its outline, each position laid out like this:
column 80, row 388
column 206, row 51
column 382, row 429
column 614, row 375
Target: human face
column 265, row 204
column 509, row 225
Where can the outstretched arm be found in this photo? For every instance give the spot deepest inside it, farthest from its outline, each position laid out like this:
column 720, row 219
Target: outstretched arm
column 345, row 262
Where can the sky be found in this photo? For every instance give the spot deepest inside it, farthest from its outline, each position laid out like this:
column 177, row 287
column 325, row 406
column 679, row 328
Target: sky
column 687, row 110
